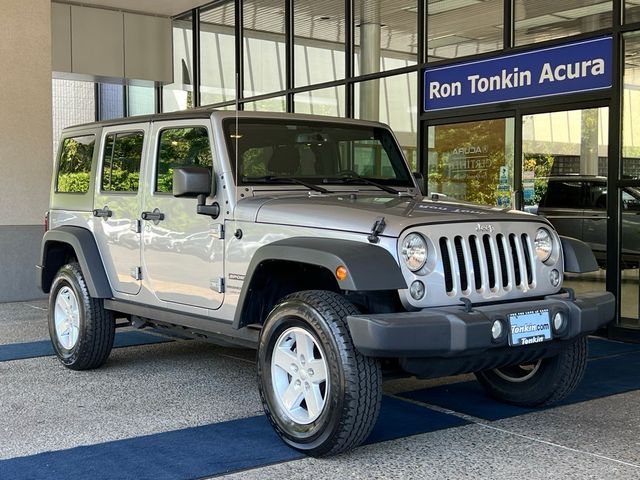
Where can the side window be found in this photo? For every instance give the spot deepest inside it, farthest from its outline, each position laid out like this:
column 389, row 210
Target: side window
column 74, row 167
column 121, row 162
column 596, row 196
column 181, row 147
column 631, row 199
column 563, row 195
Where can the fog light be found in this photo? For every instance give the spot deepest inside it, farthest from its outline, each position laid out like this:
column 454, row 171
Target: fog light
column 554, row 277
column 558, row 321
column 417, row 290
column 496, row 330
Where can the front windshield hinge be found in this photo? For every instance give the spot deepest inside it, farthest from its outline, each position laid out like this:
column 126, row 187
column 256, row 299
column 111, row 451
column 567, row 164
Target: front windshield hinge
column 378, row 227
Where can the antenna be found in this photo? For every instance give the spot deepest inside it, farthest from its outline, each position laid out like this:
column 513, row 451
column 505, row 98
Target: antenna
column 237, row 135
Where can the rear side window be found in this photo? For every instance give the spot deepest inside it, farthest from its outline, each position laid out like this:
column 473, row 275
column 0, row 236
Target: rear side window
column 596, row 196
column 121, row 161
column 74, row 167
column 181, row 147
column 563, row 195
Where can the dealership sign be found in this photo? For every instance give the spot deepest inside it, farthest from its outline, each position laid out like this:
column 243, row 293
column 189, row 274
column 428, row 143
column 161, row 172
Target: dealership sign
column 574, row 67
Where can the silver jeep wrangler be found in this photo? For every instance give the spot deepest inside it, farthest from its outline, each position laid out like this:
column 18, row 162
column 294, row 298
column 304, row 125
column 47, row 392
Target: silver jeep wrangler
column 309, row 239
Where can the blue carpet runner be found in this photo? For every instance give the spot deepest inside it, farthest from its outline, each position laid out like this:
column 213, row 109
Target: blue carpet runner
column 204, row 451
column 606, row 375
column 43, row 348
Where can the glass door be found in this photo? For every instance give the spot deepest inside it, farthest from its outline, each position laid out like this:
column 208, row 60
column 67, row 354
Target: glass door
column 629, row 193
column 472, row 161
column 564, row 178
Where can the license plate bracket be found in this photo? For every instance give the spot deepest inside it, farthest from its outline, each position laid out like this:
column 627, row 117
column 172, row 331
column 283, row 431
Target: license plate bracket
column 528, row 328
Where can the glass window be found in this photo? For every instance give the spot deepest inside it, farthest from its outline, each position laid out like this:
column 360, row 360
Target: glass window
column 318, row 41
column 563, row 194
column 264, row 48
column 327, row 101
column 218, row 53
column 631, row 108
column 385, row 35
column 181, row 147
column 74, row 167
column 472, row 161
column 392, row 100
column 367, row 159
column 121, row 162
column 540, row 20
column 463, row 27
column 179, row 94
column 631, row 199
column 111, row 98
column 141, row 100
column 74, row 103
column 277, row 104
column 631, row 11
column 318, row 153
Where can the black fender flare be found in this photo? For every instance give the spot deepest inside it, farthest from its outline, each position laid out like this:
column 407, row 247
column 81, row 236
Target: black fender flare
column 86, row 250
column 369, row 267
column 578, row 256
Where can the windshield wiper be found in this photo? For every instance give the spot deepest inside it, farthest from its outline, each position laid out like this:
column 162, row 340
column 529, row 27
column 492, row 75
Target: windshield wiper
column 357, row 178
column 268, row 178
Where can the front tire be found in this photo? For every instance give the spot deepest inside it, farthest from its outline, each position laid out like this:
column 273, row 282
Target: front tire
column 543, row 383
column 320, row 394
column 81, row 330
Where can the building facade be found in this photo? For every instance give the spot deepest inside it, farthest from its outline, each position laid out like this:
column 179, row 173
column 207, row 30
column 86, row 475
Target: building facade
column 406, row 63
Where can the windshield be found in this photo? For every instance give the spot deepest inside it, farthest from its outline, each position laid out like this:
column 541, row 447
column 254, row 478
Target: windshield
column 276, row 151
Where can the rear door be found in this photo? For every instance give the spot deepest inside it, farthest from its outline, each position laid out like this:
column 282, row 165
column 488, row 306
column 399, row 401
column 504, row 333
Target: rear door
column 117, row 204
column 182, row 251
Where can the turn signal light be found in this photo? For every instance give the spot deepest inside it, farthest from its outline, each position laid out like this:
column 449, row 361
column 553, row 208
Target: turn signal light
column 341, row 272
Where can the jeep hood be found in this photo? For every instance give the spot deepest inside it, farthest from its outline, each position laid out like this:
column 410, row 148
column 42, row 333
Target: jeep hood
column 357, row 213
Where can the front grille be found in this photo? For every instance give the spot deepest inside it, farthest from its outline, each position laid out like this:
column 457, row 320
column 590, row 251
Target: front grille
column 487, row 263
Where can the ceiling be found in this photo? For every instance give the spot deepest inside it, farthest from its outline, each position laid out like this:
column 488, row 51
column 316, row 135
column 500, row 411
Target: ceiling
column 167, row 8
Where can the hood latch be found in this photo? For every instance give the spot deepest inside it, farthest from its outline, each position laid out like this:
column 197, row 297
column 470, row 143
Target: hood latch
column 378, row 227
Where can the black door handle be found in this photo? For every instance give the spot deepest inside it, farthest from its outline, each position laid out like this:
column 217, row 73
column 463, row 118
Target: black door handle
column 155, row 216
column 103, row 212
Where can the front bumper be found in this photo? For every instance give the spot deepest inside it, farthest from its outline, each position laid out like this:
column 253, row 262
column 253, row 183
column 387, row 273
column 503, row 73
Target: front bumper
column 451, row 332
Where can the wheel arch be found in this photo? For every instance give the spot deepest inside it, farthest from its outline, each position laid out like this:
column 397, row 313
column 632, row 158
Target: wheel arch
column 308, row 263
column 62, row 244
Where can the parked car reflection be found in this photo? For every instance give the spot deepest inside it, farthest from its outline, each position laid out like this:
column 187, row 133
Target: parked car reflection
column 576, row 205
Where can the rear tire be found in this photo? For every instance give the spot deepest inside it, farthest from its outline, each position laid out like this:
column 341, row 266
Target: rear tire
column 320, row 394
column 81, row 330
column 540, row 384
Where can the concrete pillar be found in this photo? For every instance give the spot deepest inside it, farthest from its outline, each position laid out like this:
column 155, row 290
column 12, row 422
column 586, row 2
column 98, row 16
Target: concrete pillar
column 25, row 142
column 370, row 58
column 589, row 142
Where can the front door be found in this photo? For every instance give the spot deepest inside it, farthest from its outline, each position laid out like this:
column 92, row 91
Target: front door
column 117, row 205
column 182, row 251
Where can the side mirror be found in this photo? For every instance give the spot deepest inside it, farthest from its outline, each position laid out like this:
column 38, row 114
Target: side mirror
column 420, row 180
column 191, row 182
column 196, row 182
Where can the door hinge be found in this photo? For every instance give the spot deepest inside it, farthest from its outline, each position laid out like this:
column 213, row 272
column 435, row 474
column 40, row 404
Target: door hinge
column 217, row 285
column 136, row 273
column 217, row 231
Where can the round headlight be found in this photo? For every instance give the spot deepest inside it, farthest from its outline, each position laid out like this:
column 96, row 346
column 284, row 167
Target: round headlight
column 543, row 244
column 414, row 251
